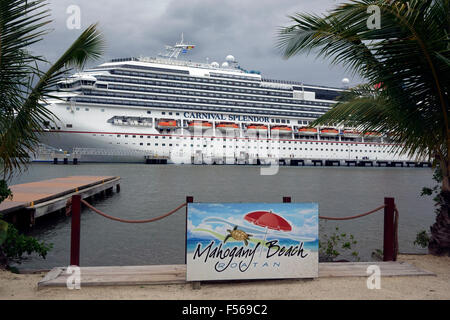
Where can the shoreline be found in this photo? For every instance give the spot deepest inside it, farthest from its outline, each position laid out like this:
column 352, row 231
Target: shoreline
column 24, row 287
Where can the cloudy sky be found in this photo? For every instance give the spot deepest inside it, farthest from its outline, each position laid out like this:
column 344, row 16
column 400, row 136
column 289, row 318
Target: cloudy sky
column 244, row 28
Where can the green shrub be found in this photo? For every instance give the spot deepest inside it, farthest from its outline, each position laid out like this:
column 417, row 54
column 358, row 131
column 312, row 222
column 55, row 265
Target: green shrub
column 329, row 248
column 14, row 245
column 422, row 239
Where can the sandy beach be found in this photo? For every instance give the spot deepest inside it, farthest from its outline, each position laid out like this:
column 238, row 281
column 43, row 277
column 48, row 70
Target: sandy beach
column 24, row 286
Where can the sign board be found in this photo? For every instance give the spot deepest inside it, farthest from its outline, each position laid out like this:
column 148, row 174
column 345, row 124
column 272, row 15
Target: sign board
column 227, row 241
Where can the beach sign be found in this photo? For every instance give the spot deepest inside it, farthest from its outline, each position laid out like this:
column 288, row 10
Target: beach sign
column 232, row 241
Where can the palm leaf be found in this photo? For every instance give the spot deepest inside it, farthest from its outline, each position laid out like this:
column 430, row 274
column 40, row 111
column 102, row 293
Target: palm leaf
column 409, row 55
column 24, row 88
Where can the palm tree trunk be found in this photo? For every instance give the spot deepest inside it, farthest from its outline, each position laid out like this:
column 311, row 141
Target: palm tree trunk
column 440, row 230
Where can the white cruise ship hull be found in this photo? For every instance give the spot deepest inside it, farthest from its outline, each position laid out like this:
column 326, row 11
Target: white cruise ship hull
column 87, row 132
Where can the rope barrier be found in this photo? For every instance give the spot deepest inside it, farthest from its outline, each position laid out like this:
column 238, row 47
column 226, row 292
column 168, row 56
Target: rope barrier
column 396, row 217
column 353, row 217
column 132, row 221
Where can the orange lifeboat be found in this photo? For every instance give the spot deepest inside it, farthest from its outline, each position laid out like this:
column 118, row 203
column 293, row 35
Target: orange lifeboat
column 203, row 125
column 254, row 128
column 167, row 124
column 372, row 135
column 331, row 132
column 348, row 133
column 227, row 126
column 282, row 130
column 307, row 131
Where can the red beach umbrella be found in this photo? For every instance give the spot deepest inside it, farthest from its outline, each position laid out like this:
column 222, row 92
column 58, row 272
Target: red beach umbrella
column 268, row 220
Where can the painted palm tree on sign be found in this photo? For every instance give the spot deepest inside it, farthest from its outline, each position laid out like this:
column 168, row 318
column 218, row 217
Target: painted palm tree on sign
column 406, row 66
column 24, row 87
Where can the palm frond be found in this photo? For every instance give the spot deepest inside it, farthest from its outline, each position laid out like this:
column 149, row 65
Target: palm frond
column 409, row 55
column 24, row 88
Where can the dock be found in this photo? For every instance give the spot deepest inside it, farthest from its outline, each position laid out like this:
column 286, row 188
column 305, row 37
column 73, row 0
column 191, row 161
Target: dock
column 176, row 274
column 37, row 199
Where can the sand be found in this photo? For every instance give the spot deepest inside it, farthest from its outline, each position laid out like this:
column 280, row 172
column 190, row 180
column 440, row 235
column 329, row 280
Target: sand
column 24, row 286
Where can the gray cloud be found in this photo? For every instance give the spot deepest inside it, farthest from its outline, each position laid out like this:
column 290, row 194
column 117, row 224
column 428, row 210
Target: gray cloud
column 244, row 28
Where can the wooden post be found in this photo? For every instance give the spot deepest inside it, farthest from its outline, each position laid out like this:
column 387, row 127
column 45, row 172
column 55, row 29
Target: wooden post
column 189, row 199
column 196, row 285
column 75, row 231
column 286, row 199
column 388, row 242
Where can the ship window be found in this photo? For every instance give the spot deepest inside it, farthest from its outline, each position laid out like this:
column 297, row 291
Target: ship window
column 68, row 125
column 86, row 109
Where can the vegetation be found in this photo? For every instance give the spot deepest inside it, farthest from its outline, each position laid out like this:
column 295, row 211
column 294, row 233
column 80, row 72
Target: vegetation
column 330, row 246
column 24, row 91
column 405, row 64
column 422, row 239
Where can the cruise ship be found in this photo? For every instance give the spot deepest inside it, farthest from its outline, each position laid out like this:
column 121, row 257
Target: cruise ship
column 164, row 107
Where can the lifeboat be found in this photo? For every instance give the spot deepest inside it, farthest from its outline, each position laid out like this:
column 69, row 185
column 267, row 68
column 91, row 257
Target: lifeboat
column 167, row 124
column 349, row 133
column 330, row 132
column 227, row 126
column 281, row 130
column 307, row 131
column 202, row 125
column 257, row 128
column 372, row 135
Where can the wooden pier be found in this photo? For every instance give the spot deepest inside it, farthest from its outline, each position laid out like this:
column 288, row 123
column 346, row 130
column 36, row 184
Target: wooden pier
column 37, row 199
column 175, row 274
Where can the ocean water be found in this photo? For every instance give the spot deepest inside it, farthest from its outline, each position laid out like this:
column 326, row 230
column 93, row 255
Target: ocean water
column 151, row 190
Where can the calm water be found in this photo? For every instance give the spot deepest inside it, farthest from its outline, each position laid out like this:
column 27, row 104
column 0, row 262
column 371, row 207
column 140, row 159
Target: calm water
column 148, row 191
